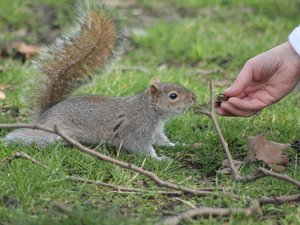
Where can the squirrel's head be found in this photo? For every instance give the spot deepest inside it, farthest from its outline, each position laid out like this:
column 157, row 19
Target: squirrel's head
column 170, row 99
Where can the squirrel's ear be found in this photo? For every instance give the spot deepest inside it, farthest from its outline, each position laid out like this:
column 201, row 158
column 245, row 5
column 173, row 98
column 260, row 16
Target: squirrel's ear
column 155, row 80
column 154, row 90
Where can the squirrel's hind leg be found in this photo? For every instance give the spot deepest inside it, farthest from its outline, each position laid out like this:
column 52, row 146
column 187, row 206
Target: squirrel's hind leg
column 29, row 136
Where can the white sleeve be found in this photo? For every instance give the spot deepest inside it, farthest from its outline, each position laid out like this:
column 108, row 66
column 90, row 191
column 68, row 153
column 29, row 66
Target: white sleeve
column 294, row 39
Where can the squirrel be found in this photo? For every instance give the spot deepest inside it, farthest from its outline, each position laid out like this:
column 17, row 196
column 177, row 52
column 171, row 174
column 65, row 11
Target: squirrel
column 136, row 123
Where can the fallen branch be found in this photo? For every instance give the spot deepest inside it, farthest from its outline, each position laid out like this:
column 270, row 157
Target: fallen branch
column 262, row 172
column 207, row 211
column 121, row 189
column 122, row 164
column 277, row 200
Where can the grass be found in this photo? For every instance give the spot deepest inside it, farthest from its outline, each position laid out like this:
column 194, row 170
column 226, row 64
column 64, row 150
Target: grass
column 178, row 38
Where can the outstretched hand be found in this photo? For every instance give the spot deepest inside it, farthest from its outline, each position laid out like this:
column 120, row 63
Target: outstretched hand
column 264, row 80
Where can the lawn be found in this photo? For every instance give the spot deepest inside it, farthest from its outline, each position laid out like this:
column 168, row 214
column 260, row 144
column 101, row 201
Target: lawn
column 188, row 42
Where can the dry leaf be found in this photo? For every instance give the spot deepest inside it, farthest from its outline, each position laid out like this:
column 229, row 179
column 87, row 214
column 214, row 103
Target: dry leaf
column 2, row 95
column 268, row 151
column 26, row 49
column 225, row 168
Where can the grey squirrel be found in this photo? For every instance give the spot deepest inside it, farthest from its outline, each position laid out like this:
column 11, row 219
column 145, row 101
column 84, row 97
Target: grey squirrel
column 136, row 123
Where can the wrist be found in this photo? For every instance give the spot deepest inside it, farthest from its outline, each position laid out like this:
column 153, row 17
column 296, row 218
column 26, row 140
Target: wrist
column 294, row 40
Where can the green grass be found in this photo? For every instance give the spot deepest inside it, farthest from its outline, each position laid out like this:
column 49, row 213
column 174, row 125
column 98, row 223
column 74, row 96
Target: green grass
column 182, row 37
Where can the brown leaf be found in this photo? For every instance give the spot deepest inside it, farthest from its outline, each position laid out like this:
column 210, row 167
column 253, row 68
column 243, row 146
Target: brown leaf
column 26, row 49
column 19, row 50
column 2, row 95
column 268, row 151
column 225, row 168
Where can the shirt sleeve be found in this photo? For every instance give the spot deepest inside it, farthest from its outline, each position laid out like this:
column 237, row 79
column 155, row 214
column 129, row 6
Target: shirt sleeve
column 294, row 39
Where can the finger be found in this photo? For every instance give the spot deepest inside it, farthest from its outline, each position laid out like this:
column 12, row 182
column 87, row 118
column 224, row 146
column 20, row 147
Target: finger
column 223, row 112
column 229, row 109
column 247, row 104
column 242, row 81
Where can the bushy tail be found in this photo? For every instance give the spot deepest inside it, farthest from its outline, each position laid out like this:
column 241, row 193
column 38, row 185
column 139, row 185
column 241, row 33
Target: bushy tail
column 29, row 136
column 72, row 59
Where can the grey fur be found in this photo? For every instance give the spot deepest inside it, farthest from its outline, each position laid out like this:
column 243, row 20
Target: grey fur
column 135, row 122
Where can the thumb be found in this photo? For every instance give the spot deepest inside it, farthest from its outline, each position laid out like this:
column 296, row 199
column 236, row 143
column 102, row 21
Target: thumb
column 242, row 81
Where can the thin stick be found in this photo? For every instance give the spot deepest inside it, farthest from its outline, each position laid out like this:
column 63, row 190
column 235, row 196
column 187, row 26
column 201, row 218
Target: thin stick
column 206, row 211
column 28, row 157
column 234, row 171
column 132, row 167
column 259, row 172
column 122, row 164
column 276, row 200
column 262, row 172
column 186, row 202
column 121, row 189
column 113, row 186
column 76, row 178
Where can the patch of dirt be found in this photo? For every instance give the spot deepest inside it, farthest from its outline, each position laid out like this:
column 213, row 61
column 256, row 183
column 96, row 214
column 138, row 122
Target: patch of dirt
column 10, row 201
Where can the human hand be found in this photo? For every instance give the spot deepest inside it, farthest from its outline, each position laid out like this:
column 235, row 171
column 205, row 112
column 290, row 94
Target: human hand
column 264, row 80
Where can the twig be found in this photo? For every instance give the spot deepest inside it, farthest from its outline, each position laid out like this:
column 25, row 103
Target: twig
column 276, row 200
column 121, row 189
column 259, row 172
column 75, row 178
column 235, row 172
column 211, row 114
column 28, row 157
column 206, row 211
column 122, row 164
column 113, row 186
column 262, row 172
column 186, row 202
column 132, row 167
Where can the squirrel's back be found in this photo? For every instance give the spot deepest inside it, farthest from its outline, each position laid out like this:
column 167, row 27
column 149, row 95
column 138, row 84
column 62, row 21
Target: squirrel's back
column 73, row 58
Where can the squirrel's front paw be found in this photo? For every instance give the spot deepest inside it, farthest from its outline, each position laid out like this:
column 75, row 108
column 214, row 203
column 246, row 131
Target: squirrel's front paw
column 181, row 144
column 170, row 144
column 162, row 158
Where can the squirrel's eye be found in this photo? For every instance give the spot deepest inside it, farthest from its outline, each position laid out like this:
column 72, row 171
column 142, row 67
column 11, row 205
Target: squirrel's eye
column 173, row 95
